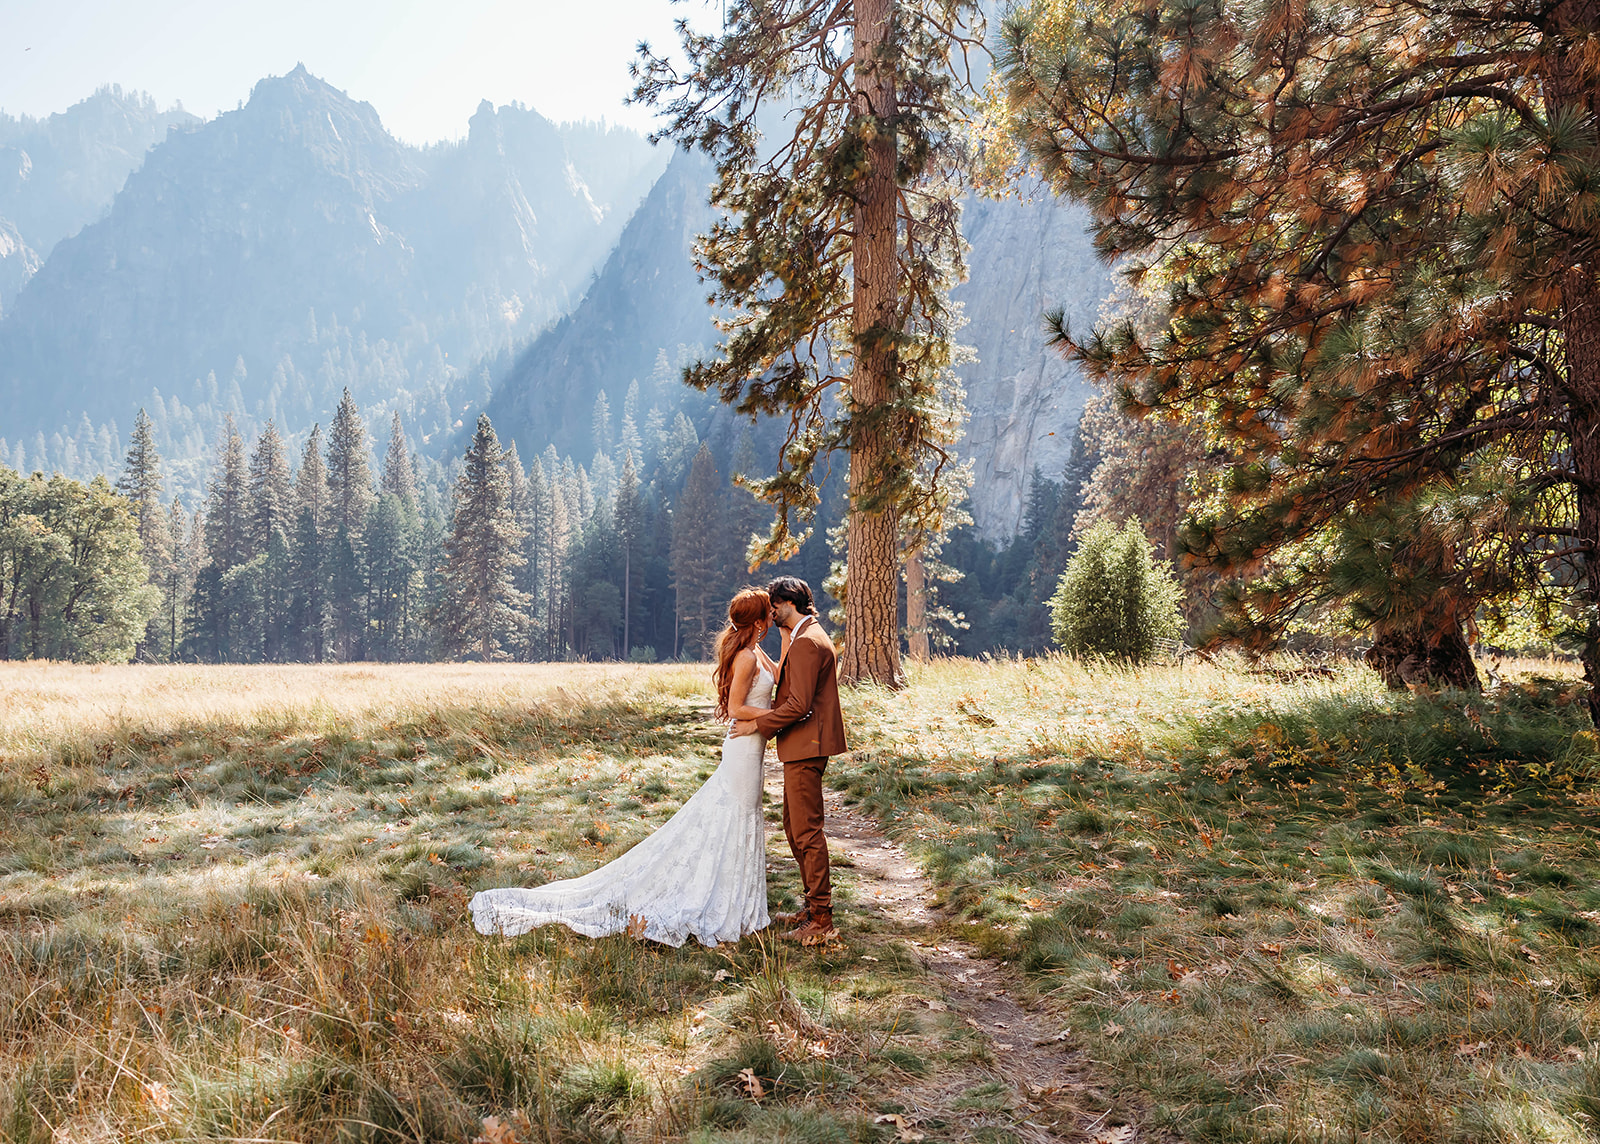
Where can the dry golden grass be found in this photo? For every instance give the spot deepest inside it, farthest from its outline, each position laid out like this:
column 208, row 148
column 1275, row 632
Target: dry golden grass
column 44, row 705
column 1274, row 907
column 232, row 907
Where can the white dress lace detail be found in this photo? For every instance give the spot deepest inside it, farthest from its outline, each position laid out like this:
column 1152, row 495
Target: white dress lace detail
column 703, row 874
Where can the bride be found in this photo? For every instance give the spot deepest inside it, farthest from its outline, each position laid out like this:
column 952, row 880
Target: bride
column 703, row 874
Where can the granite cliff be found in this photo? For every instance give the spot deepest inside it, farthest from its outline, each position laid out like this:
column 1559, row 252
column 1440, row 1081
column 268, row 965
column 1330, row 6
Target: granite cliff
column 1027, row 256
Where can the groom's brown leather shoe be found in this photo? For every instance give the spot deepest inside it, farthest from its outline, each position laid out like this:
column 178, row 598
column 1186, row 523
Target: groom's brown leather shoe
column 818, row 930
column 794, row 920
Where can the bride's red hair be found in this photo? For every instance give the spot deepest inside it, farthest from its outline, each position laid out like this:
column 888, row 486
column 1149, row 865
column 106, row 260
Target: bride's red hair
column 748, row 613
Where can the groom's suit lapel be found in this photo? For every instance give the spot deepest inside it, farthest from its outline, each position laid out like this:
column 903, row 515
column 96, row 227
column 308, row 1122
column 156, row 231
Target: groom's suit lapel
column 794, row 635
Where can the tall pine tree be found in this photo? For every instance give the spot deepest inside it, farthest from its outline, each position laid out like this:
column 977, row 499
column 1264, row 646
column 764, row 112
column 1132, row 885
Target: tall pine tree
column 350, row 494
column 629, row 518
column 141, row 483
column 399, row 478
column 483, row 605
column 699, row 554
column 837, row 244
column 1375, row 226
column 306, row 624
column 350, row 499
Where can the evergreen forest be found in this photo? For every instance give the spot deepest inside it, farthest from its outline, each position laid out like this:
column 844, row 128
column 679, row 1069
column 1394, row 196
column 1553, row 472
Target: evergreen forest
column 350, row 547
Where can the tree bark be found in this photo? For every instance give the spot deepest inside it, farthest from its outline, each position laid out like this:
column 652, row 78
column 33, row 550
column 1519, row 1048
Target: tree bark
column 918, row 644
column 1421, row 658
column 872, row 630
column 1569, row 85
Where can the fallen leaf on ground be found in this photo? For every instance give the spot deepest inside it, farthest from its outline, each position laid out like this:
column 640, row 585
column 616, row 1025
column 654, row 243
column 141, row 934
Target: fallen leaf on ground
column 1121, row 1134
column 903, row 1129
column 938, row 1006
column 721, row 975
column 1112, row 1029
column 751, row 1083
column 497, row 1131
column 1470, row 1048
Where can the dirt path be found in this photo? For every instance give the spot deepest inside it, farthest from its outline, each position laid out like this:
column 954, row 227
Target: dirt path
column 1030, row 1052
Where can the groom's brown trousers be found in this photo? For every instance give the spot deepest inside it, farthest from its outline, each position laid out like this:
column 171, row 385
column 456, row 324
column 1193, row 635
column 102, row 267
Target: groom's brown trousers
column 802, row 825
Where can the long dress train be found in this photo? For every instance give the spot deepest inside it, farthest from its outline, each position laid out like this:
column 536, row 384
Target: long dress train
column 703, row 874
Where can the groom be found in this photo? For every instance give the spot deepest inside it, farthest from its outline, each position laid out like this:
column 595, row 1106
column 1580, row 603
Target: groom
column 806, row 720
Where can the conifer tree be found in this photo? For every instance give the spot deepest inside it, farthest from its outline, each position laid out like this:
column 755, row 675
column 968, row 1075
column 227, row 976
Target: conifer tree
column 1375, row 225
column 629, row 444
column 839, row 243
column 602, row 423
column 483, row 605
column 554, row 548
column 350, row 493
column 628, row 515
column 141, row 483
column 676, row 450
column 1113, row 601
column 271, row 522
column 177, row 579
column 699, row 554
column 311, row 482
column 392, row 577
column 218, row 603
column 748, row 517
column 399, row 479
column 228, row 504
column 306, row 622
column 536, row 522
column 271, row 490
column 347, row 593
column 517, row 641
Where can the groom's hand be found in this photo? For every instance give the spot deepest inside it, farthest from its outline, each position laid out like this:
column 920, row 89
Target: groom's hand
column 743, row 727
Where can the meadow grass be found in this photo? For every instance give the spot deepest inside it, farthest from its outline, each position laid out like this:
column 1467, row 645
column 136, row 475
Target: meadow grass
column 1282, row 906
column 1272, row 906
column 233, row 907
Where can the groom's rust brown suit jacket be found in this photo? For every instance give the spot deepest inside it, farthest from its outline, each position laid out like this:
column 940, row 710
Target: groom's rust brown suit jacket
column 805, row 713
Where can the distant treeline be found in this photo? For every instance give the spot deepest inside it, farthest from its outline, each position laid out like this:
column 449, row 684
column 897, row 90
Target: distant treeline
column 630, row 557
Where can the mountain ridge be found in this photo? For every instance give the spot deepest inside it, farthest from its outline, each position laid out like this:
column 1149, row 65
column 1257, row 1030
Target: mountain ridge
column 293, row 248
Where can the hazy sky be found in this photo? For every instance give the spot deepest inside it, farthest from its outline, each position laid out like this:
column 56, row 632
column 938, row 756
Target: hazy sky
column 424, row 64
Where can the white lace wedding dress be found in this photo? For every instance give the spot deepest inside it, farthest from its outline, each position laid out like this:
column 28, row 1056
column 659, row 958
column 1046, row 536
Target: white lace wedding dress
column 703, row 874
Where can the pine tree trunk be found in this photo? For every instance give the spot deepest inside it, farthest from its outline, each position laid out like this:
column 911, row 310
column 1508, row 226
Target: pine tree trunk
column 917, row 641
column 1423, row 658
column 1581, row 330
column 1570, row 86
column 627, row 585
column 872, row 629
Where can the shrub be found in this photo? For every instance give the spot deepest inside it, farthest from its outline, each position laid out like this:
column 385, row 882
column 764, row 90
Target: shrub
column 1113, row 601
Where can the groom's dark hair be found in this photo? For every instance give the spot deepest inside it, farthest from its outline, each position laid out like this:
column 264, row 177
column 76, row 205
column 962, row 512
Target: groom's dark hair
column 793, row 590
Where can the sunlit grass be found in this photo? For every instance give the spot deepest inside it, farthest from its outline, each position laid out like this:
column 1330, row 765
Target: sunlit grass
column 1283, row 906
column 1276, row 907
column 233, row 907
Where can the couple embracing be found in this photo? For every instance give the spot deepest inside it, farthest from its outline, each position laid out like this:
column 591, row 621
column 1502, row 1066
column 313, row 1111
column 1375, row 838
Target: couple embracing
column 704, row 873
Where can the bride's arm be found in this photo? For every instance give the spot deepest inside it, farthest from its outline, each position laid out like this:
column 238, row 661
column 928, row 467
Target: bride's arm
column 744, row 670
